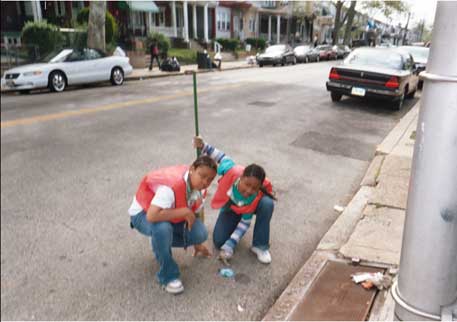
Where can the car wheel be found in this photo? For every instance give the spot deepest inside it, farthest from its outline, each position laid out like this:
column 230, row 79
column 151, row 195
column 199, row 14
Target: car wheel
column 318, row 59
column 283, row 62
column 294, row 61
column 57, row 81
column 117, row 76
column 411, row 95
column 260, row 65
column 24, row 91
column 399, row 104
column 336, row 97
column 306, row 59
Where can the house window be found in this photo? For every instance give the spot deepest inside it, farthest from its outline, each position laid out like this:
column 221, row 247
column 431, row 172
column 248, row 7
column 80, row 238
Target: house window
column 228, row 22
column 59, row 7
column 223, row 22
column 160, row 17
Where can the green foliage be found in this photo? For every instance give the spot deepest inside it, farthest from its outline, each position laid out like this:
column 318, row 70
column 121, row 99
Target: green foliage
column 184, row 56
column 162, row 41
column 76, row 38
column 386, row 7
column 257, row 43
column 42, row 36
column 111, row 28
column 230, row 44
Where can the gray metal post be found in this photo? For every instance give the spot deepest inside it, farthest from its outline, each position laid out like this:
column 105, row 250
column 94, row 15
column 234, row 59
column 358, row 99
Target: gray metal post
column 427, row 282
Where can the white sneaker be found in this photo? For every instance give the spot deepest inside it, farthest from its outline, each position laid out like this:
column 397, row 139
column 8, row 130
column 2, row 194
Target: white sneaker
column 174, row 287
column 262, row 255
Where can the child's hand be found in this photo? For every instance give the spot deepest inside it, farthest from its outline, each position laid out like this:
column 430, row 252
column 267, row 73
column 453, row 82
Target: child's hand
column 198, row 142
column 201, row 250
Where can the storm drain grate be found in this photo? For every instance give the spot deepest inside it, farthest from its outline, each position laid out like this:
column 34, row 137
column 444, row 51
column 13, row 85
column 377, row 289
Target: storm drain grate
column 335, row 145
column 262, row 103
column 334, row 296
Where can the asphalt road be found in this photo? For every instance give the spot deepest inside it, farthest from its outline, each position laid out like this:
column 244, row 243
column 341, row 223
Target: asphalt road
column 71, row 163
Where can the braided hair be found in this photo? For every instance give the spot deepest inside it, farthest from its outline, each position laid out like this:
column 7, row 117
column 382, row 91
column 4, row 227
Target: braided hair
column 256, row 171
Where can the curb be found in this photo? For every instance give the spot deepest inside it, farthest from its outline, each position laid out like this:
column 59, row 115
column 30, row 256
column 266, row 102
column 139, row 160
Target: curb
column 340, row 232
column 169, row 74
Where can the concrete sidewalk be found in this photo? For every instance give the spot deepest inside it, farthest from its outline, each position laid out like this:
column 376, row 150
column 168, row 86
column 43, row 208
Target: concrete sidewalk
column 145, row 73
column 369, row 230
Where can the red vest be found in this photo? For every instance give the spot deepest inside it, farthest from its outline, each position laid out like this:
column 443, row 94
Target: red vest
column 225, row 183
column 172, row 177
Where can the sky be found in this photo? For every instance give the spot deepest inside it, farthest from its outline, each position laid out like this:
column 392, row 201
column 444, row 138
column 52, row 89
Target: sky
column 420, row 9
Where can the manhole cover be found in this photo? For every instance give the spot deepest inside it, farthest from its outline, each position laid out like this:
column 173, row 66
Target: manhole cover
column 334, row 296
column 262, row 103
column 335, row 145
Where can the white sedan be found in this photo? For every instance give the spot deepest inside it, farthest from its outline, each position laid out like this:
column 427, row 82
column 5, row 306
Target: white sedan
column 69, row 67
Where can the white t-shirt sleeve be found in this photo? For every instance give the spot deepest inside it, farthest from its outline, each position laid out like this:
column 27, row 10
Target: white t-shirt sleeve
column 164, row 198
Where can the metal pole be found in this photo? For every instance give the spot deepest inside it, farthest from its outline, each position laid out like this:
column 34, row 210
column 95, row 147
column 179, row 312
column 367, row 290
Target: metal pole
column 427, row 281
column 194, row 75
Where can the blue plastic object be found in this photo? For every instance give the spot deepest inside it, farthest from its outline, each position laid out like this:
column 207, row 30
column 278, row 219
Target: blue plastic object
column 226, row 272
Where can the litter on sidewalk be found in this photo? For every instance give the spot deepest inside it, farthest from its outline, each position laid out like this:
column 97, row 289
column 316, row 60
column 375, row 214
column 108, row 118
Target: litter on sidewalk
column 338, row 208
column 368, row 280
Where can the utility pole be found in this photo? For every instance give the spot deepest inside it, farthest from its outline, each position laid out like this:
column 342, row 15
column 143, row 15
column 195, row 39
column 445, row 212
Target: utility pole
column 427, row 280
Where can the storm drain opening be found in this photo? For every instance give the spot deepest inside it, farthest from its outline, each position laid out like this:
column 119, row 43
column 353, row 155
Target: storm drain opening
column 262, row 103
column 334, row 296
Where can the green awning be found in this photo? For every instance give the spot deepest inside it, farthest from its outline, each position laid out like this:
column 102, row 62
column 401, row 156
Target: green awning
column 145, row 6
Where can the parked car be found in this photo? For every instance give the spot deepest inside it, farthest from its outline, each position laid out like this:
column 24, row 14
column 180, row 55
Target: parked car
column 277, row 54
column 382, row 73
column 341, row 51
column 69, row 67
column 326, row 52
column 304, row 53
column 420, row 56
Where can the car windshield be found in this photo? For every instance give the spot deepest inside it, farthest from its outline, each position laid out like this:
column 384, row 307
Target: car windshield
column 418, row 53
column 379, row 58
column 60, row 57
column 322, row 47
column 275, row 49
column 301, row 49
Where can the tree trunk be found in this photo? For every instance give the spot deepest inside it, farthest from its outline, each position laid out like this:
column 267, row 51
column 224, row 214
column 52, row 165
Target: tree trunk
column 96, row 27
column 337, row 25
column 348, row 31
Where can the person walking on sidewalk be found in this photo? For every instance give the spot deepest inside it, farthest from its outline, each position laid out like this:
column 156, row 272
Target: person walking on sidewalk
column 166, row 207
column 154, row 51
column 241, row 193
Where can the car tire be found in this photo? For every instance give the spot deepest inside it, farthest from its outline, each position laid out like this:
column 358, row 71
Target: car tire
column 117, row 76
column 336, row 97
column 420, row 85
column 294, row 61
column 57, row 81
column 260, row 65
column 318, row 59
column 24, row 91
column 411, row 95
column 283, row 62
column 398, row 105
column 306, row 60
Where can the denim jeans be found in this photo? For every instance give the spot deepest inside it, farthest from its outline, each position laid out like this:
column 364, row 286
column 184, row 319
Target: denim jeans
column 165, row 235
column 228, row 220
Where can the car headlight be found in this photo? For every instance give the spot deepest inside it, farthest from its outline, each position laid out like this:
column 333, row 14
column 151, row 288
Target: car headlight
column 34, row 73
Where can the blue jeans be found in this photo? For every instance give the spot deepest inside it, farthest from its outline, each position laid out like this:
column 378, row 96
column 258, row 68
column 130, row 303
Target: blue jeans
column 165, row 235
column 228, row 220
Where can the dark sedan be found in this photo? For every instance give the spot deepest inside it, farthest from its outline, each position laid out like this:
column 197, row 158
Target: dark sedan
column 277, row 54
column 305, row 54
column 341, row 51
column 389, row 74
column 420, row 56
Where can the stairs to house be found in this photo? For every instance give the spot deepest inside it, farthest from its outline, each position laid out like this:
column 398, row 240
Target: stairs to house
column 195, row 45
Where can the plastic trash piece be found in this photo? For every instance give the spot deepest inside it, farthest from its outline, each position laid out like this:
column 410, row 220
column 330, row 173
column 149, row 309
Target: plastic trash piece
column 338, row 208
column 227, row 272
column 240, row 308
column 368, row 280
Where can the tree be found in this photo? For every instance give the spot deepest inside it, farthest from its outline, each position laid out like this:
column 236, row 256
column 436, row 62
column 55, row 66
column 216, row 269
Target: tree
column 96, row 26
column 348, row 31
column 339, row 20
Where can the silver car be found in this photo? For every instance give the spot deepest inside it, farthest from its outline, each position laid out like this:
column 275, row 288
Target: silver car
column 69, row 67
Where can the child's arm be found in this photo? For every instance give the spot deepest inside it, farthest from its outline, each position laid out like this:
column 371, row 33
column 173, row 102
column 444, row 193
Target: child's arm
column 238, row 233
column 224, row 161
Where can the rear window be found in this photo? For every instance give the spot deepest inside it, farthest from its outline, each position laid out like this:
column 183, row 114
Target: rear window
column 378, row 58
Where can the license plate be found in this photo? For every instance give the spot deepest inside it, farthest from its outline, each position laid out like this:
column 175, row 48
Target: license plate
column 358, row 91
